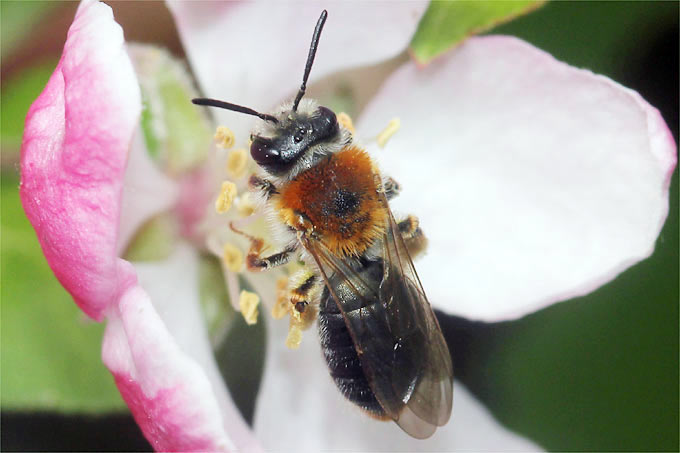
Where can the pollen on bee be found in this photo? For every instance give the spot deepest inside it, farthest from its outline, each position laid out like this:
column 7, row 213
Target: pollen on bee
column 281, row 306
column 232, row 257
column 294, row 337
column 248, row 303
column 387, row 133
column 224, row 137
column 226, row 197
column 245, row 205
column 346, row 121
column 236, row 162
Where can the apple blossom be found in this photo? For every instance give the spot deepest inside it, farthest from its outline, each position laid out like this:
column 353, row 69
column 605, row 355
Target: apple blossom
column 534, row 181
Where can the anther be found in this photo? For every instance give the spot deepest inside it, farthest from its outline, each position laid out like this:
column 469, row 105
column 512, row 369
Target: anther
column 387, row 133
column 224, row 137
column 232, row 257
column 280, row 308
column 248, row 303
column 346, row 121
column 226, row 197
column 245, row 205
column 236, row 163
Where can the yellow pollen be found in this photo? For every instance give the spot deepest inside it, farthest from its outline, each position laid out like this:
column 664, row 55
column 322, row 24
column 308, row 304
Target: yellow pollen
column 232, row 258
column 236, row 162
column 226, row 197
column 248, row 303
column 224, row 137
column 244, row 205
column 294, row 336
column 281, row 306
column 392, row 127
column 345, row 121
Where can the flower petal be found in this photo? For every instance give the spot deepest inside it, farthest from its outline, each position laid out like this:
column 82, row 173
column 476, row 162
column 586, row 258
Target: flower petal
column 74, row 152
column 161, row 359
column 534, row 181
column 146, row 192
column 254, row 53
column 300, row 409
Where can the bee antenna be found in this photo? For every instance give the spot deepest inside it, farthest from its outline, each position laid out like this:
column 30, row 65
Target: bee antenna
column 234, row 107
column 310, row 57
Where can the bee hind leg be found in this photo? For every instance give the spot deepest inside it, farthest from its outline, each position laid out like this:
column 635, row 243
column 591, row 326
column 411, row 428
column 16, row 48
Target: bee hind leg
column 413, row 235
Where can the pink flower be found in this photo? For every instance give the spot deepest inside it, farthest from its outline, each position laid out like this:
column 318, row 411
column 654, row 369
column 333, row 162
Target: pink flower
column 534, row 181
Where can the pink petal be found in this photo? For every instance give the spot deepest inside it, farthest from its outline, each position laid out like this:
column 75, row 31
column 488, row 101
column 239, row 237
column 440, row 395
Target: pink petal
column 254, row 53
column 78, row 133
column 535, row 182
column 300, row 409
column 162, row 361
column 74, row 152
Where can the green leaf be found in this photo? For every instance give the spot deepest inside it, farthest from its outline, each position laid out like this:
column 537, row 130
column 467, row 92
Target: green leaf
column 50, row 353
column 446, row 24
column 18, row 20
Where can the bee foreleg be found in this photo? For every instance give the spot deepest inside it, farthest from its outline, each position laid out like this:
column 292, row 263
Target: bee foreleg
column 265, row 187
column 391, row 187
column 255, row 261
column 415, row 239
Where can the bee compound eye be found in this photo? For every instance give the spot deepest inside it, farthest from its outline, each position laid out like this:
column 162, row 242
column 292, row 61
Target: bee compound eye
column 263, row 152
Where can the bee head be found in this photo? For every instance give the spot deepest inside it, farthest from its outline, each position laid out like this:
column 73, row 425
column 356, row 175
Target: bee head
column 292, row 132
column 292, row 136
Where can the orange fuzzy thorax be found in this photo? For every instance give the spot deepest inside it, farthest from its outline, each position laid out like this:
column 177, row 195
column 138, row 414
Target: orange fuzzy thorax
column 339, row 198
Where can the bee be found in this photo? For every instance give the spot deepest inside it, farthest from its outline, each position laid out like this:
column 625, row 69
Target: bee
column 380, row 338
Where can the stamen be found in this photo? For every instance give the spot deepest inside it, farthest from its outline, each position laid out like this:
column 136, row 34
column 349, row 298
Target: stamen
column 232, row 257
column 226, row 197
column 236, row 162
column 280, row 308
column 245, row 205
column 392, row 127
column 346, row 121
column 224, row 137
column 248, row 303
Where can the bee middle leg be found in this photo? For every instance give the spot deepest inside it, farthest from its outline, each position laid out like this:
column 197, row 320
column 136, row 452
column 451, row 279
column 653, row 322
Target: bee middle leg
column 391, row 187
column 414, row 238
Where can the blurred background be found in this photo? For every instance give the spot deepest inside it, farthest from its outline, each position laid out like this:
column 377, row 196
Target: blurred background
column 596, row 373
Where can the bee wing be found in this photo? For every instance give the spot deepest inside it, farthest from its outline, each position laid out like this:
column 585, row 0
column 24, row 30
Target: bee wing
column 429, row 405
column 396, row 334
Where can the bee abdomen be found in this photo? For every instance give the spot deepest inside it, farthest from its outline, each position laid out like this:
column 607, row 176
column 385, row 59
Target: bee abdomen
column 342, row 359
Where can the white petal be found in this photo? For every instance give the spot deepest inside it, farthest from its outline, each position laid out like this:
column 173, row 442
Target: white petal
column 146, row 192
column 535, row 182
column 254, row 53
column 299, row 409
